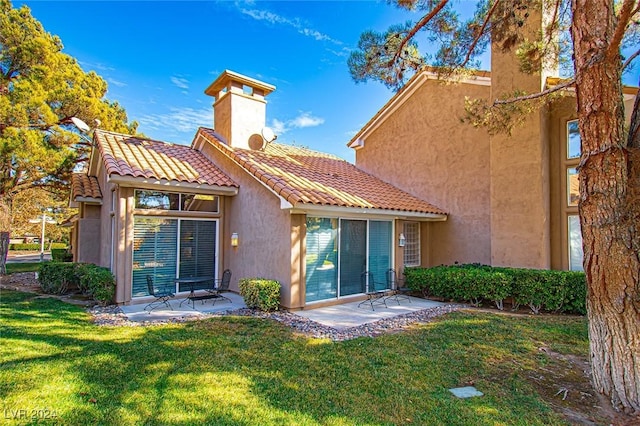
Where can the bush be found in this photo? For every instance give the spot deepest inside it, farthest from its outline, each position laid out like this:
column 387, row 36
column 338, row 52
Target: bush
column 61, row 255
column 22, row 246
column 260, row 293
column 61, row 277
column 556, row 291
column 58, row 246
column 57, row 277
column 96, row 281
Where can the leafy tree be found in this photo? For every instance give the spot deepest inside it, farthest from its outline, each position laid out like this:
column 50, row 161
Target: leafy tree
column 41, row 90
column 589, row 37
column 31, row 204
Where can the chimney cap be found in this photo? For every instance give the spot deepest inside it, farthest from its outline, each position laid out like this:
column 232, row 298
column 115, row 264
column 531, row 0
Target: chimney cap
column 223, row 79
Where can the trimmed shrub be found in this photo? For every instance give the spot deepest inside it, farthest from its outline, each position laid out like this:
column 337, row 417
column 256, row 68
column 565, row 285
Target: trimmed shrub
column 57, row 277
column 556, row 291
column 260, row 293
column 23, row 246
column 61, row 255
column 96, row 281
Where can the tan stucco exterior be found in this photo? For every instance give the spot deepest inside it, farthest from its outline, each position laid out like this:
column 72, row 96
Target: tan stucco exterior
column 422, row 148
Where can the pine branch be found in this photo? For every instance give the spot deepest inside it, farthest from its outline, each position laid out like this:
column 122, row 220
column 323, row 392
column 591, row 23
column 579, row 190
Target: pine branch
column 626, row 12
column 630, row 59
column 424, row 21
column 532, row 96
column 485, row 23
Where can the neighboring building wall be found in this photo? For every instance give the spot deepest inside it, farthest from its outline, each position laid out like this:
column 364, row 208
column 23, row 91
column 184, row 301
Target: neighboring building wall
column 264, row 229
column 424, row 149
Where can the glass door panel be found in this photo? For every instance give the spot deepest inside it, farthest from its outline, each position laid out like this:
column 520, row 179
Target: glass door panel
column 353, row 255
column 154, row 254
column 379, row 252
column 197, row 252
column 321, row 259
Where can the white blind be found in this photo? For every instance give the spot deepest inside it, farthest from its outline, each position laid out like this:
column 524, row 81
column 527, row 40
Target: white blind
column 154, row 254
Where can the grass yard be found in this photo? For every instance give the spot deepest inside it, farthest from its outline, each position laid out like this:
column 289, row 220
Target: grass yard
column 249, row 371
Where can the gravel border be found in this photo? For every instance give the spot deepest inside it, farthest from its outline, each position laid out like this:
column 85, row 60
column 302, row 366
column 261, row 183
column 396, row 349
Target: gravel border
column 113, row 316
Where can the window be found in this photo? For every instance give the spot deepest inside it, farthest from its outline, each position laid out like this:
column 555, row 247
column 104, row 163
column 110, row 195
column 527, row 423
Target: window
column 573, row 139
column 411, row 231
column 166, row 248
column 160, row 200
column 573, row 237
column 575, row 244
column 339, row 250
column 573, row 191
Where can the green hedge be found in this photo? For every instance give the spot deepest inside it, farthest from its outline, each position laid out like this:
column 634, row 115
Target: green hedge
column 554, row 291
column 61, row 255
column 36, row 246
column 260, row 293
column 63, row 277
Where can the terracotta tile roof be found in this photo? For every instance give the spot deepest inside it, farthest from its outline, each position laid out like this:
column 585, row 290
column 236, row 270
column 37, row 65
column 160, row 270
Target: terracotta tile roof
column 127, row 155
column 303, row 176
column 85, row 186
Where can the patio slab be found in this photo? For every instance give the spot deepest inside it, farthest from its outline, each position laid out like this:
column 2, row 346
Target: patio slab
column 350, row 315
column 137, row 313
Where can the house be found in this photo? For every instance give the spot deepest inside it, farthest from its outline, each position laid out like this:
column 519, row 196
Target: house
column 234, row 201
column 426, row 190
column 512, row 200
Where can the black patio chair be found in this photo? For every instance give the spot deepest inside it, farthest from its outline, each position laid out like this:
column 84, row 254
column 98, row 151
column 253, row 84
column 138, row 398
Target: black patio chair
column 398, row 290
column 220, row 286
column 161, row 297
column 375, row 295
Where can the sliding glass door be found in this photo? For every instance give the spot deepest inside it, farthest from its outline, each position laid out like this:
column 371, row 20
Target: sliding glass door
column 338, row 252
column 166, row 248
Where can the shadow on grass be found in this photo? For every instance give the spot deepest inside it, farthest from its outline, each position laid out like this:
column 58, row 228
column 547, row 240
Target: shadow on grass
column 246, row 371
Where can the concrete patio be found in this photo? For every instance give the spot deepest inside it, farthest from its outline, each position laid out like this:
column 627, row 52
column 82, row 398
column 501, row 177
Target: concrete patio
column 338, row 317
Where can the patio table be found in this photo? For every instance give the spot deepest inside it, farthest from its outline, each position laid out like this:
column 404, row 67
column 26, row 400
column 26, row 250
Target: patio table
column 191, row 282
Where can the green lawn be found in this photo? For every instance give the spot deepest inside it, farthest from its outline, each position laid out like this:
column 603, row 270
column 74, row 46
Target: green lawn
column 248, row 371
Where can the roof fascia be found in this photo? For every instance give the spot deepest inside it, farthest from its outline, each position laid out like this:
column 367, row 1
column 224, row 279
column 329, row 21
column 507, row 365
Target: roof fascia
column 163, row 184
column 88, row 200
column 316, row 210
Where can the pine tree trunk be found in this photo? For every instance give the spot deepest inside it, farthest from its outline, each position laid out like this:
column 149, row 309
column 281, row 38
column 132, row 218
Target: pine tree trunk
column 609, row 208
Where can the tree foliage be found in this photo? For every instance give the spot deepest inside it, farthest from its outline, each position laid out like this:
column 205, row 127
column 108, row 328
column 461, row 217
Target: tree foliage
column 584, row 38
column 41, row 89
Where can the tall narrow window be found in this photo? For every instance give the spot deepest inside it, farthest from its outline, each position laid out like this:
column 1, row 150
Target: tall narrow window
column 575, row 244
column 411, row 231
column 197, row 250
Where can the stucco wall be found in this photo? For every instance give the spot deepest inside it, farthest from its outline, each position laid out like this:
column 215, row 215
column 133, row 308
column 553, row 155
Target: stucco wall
column 425, row 150
column 263, row 228
column 88, row 231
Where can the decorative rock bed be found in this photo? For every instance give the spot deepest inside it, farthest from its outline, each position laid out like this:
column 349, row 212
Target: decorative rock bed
column 113, row 316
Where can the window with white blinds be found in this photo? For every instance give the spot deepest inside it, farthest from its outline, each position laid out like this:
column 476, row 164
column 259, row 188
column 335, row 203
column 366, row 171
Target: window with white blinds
column 379, row 252
column 411, row 231
column 164, row 248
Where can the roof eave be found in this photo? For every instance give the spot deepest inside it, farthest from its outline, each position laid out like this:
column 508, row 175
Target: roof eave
column 164, row 184
column 319, row 210
column 88, row 200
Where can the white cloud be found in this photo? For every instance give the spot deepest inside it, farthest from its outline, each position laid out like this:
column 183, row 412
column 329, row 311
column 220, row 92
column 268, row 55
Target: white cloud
column 304, row 119
column 116, row 82
column 182, row 83
column 274, row 18
column 179, row 119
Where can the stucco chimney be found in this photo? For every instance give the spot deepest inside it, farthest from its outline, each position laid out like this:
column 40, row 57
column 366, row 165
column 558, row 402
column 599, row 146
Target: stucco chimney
column 239, row 108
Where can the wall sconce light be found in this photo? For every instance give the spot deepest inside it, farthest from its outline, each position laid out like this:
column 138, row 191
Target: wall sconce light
column 234, row 239
column 401, row 240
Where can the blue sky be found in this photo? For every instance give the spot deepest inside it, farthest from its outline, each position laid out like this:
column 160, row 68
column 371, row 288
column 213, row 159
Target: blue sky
column 159, row 56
